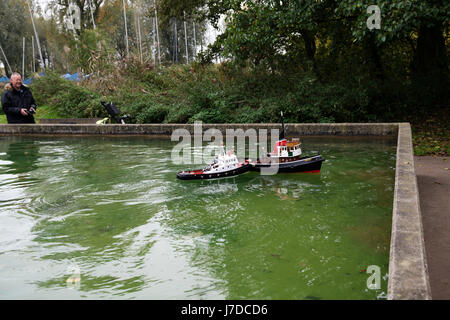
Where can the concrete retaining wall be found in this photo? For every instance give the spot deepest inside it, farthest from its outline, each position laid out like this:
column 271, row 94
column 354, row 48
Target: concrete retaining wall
column 343, row 129
column 408, row 275
column 68, row 121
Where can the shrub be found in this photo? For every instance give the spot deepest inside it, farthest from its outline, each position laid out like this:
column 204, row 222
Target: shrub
column 67, row 98
column 152, row 114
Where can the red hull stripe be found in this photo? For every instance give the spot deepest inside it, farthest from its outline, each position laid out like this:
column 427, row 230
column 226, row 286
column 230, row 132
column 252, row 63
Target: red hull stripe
column 196, row 172
column 312, row 171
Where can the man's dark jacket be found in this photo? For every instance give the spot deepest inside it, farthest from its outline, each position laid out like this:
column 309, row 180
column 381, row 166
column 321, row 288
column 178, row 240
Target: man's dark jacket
column 13, row 100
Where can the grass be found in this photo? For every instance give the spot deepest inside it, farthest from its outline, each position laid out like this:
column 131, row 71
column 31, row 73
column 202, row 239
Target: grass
column 431, row 135
column 47, row 112
column 43, row 112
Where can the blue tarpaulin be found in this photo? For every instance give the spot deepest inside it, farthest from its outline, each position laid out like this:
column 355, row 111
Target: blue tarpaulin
column 26, row 81
column 78, row 76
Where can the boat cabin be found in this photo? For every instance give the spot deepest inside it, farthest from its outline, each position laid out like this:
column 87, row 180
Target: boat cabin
column 286, row 149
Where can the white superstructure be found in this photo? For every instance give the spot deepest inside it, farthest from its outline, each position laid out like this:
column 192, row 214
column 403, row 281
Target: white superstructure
column 223, row 162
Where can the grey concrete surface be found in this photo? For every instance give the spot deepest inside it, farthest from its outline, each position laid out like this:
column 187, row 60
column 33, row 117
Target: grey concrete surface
column 343, row 129
column 433, row 178
column 408, row 271
column 68, row 121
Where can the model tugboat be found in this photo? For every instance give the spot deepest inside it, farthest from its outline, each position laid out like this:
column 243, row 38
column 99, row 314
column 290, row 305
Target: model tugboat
column 287, row 156
column 224, row 165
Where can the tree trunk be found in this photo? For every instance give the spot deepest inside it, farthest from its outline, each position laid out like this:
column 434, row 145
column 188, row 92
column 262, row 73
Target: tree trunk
column 429, row 66
column 374, row 60
column 430, row 57
column 310, row 47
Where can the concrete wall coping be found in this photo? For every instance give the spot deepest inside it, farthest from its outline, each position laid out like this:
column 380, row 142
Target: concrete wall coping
column 69, row 121
column 345, row 129
column 408, row 271
column 408, row 274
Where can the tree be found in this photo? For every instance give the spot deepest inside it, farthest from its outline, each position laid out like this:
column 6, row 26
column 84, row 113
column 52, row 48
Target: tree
column 16, row 24
column 421, row 23
column 88, row 9
column 111, row 22
column 273, row 31
column 171, row 27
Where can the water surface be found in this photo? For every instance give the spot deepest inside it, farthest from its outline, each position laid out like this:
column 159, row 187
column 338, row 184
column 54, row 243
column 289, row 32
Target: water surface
column 105, row 218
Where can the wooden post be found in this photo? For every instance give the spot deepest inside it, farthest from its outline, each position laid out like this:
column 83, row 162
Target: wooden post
column 176, row 42
column 23, row 57
column 154, row 41
column 126, row 28
column 92, row 14
column 157, row 36
column 6, row 60
column 34, row 63
column 195, row 40
column 185, row 38
column 41, row 63
column 139, row 34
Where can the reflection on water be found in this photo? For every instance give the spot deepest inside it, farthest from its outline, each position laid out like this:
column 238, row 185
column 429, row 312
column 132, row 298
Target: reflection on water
column 21, row 156
column 113, row 209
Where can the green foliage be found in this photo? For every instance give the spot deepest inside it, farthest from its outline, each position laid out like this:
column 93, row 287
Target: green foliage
column 230, row 94
column 67, row 98
column 399, row 17
column 46, row 112
column 317, row 61
column 16, row 24
column 111, row 24
column 92, row 52
column 226, row 94
column 146, row 111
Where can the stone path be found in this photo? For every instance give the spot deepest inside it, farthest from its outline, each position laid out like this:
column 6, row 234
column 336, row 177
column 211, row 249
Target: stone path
column 433, row 179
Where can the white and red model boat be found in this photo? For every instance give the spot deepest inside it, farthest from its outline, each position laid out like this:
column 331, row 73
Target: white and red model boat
column 286, row 155
column 223, row 165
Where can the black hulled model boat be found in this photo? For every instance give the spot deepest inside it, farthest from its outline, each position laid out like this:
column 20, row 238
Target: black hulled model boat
column 287, row 156
column 224, row 165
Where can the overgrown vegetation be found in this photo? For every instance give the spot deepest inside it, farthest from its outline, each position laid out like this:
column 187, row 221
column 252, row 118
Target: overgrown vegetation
column 227, row 94
column 215, row 94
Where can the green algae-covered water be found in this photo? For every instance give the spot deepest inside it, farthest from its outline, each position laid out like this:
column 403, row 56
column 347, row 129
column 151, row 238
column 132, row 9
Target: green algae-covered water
column 106, row 218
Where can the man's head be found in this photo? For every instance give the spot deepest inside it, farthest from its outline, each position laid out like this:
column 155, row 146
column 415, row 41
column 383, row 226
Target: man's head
column 16, row 80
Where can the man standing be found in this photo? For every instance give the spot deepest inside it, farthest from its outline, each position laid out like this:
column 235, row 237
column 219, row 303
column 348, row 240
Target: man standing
column 18, row 102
